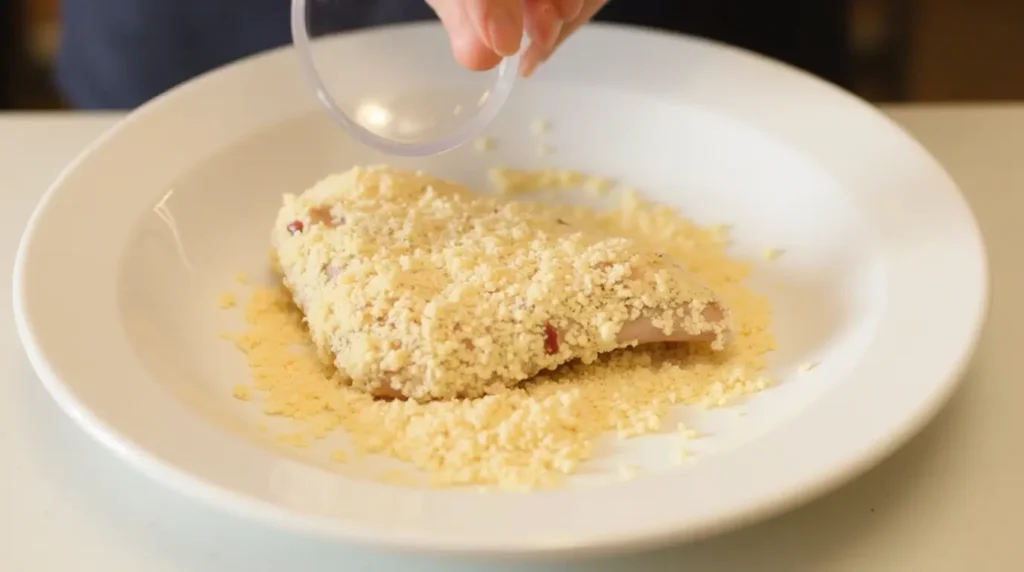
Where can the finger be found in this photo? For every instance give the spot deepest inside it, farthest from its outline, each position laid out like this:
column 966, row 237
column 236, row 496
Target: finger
column 543, row 22
column 468, row 47
column 498, row 22
column 536, row 54
column 569, row 9
column 532, row 58
column 589, row 10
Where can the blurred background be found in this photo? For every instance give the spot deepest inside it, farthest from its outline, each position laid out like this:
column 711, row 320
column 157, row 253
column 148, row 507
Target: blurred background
column 898, row 50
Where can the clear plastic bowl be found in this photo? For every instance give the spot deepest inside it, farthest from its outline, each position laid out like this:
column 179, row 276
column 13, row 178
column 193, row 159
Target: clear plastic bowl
column 391, row 99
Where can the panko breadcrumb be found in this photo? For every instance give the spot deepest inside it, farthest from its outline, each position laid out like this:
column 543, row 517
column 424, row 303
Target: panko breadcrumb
column 681, row 456
column 242, row 392
column 540, row 126
column 510, row 181
column 534, row 435
column 227, row 300
column 806, row 367
column 483, row 144
column 418, row 287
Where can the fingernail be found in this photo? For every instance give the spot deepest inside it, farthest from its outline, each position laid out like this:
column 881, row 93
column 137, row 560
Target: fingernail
column 527, row 69
column 504, row 24
column 532, row 60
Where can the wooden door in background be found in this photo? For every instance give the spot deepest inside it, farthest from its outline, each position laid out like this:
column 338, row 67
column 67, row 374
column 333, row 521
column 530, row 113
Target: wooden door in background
column 967, row 50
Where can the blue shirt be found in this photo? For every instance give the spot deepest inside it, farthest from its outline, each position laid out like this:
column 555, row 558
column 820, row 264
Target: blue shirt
column 117, row 54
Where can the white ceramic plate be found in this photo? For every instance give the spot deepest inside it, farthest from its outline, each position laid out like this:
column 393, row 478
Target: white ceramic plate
column 884, row 282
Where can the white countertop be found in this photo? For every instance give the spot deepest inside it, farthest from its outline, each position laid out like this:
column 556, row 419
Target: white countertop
column 953, row 499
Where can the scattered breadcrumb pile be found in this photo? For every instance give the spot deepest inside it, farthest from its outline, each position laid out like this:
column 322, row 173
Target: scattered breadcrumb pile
column 533, row 435
column 512, row 182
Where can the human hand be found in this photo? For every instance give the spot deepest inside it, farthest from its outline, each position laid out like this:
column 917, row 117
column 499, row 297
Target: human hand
column 484, row 31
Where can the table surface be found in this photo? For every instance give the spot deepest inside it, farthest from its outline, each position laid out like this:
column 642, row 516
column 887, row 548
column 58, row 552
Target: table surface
column 952, row 499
